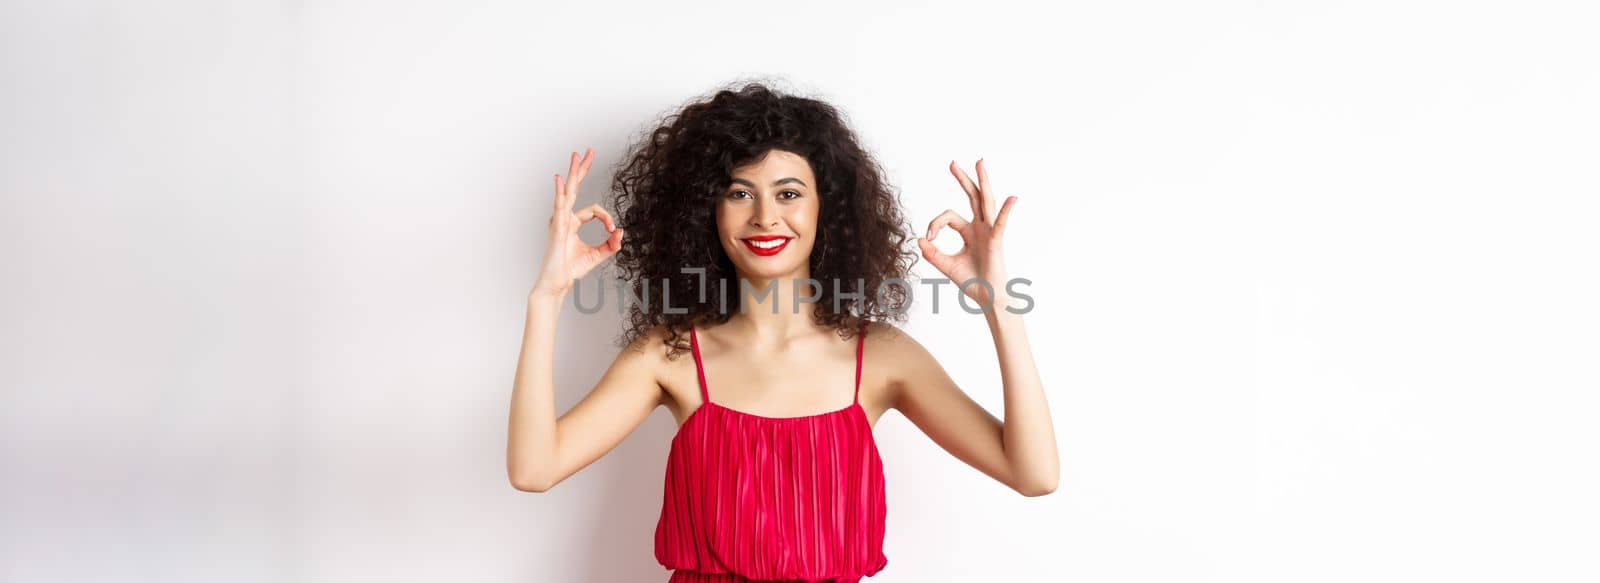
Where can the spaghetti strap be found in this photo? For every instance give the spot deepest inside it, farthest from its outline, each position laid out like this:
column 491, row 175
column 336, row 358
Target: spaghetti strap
column 861, row 340
column 699, row 369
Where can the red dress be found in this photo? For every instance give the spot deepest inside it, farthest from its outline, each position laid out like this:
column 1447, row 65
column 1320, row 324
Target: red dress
column 754, row 498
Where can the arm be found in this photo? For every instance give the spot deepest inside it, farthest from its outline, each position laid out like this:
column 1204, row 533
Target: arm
column 542, row 450
column 1021, row 451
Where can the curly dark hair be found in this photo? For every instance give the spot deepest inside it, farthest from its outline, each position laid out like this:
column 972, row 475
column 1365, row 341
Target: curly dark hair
column 665, row 192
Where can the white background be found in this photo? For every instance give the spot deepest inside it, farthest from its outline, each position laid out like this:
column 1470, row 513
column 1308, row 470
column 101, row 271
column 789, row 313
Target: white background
column 1315, row 284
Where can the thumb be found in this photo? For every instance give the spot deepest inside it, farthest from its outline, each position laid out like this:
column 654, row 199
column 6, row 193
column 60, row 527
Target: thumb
column 931, row 252
column 614, row 243
column 606, row 248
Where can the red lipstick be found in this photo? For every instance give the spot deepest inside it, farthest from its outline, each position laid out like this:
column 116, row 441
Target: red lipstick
column 766, row 245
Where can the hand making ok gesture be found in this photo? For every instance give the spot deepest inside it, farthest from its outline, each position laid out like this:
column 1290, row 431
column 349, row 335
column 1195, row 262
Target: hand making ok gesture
column 566, row 257
column 981, row 256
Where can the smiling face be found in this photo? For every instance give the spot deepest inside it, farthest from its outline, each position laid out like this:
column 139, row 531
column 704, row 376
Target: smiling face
column 767, row 217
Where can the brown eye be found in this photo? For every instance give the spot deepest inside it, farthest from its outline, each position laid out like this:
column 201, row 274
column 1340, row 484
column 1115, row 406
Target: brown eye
column 796, row 194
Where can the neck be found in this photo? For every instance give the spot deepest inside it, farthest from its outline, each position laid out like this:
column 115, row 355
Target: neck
column 771, row 307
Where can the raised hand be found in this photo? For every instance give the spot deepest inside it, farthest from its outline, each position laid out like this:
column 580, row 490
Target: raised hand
column 981, row 255
column 567, row 257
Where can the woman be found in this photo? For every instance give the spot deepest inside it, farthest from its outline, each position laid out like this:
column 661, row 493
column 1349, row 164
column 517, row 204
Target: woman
column 775, row 242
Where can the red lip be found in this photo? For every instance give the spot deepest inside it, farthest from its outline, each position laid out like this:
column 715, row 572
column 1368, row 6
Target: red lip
column 749, row 243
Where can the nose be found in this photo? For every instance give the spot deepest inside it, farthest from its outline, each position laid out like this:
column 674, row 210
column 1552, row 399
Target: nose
column 765, row 215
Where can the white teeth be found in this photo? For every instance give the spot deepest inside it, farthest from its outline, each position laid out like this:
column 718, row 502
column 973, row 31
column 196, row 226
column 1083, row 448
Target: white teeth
column 768, row 244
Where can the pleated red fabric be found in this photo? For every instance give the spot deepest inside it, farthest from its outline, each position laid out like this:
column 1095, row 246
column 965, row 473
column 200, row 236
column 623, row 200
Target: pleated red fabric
column 755, row 498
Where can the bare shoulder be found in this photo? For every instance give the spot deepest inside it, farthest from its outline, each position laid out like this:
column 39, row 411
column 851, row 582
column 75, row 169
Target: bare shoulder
column 898, row 357
column 894, row 342
column 674, row 374
column 649, row 349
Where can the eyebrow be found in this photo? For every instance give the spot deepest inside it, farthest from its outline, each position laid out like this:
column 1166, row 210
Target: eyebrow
column 784, row 180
